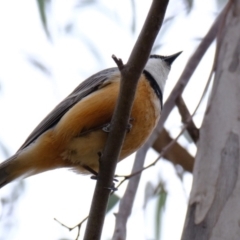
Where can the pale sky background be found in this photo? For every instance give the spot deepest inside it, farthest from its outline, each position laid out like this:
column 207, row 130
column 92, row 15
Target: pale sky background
column 27, row 95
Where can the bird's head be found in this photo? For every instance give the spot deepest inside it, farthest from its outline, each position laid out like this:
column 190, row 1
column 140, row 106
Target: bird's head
column 159, row 67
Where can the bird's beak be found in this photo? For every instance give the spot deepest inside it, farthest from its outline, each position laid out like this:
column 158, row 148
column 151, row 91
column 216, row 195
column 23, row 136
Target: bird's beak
column 170, row 59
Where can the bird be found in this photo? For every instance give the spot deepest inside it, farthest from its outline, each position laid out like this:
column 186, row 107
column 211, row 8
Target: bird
column 74, row 133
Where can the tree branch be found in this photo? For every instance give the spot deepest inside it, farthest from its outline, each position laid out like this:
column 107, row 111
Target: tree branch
column 79, row 225
column 127, row 200
column 185, row 114
column 185, row 77
column 178, row 155
column 189, row 70
column 130, row 75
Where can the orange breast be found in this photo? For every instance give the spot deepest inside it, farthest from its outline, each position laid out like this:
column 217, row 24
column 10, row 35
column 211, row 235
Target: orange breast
column 96, row 110
column 145, row 114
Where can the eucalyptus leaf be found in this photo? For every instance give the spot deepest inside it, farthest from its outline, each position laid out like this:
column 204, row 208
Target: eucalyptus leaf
column 161, row 203
column 113, row 200
column 42, row 11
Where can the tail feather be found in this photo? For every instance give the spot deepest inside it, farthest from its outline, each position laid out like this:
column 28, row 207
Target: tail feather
column 6, row 173
column 20, row 166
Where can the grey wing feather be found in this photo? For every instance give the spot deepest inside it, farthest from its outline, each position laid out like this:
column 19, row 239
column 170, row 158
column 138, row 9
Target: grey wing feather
column 85, row 88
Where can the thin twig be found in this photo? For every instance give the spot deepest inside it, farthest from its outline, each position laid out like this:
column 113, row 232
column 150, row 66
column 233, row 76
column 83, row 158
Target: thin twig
column 78, row 234
column 164, row 150
column 71, row 228
column 119, row 62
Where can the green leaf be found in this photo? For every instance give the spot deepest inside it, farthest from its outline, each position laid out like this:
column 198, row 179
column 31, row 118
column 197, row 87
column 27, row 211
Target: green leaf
column 39, row 64
column 161, row 203
column 42, row 11
column 133, row 24
column 189, row 5
column 113, row 200
column 148, row 194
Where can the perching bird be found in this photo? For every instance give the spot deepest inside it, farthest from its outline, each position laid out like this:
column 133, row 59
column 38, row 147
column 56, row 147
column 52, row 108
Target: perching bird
column 74, row 133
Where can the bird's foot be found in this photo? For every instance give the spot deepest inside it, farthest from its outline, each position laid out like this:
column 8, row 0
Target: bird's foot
column 106, row 128
column 112, row 188
column 95, row 174
column 129, row 126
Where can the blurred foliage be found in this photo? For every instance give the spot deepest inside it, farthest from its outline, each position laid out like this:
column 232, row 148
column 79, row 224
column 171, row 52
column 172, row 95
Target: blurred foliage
column 113, row 200
column 133, row 24
column 9, row 207
column 160, row 195
column 189, row 5
column 98, row 6
column 165, row 27
column 4, row 150
column 43, row 15
column 38, row 64
column 161, row 203
column 42, row 6
column 84, row 3
column 149, row 193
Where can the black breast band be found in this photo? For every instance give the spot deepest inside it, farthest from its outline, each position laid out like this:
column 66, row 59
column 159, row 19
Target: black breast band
column 154, row 85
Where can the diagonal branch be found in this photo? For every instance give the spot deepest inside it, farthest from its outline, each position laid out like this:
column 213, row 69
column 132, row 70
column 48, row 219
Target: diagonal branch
column 126, row 203
column 130, row 75
column 120, row 228
column 185, row 114
column 178, row 154
column 186, row 75
column 189, row 69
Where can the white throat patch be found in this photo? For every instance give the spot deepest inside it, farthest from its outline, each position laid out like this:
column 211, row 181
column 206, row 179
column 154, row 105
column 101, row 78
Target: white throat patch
column 159, row 70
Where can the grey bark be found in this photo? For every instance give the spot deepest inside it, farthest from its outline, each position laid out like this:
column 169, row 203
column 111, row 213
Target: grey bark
column 214, row 208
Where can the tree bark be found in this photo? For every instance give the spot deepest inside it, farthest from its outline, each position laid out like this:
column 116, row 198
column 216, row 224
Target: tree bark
column 214, row 208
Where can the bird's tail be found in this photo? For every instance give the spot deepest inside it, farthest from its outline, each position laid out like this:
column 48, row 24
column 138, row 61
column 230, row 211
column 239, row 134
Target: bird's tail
column 22, row 165
column 9, row 170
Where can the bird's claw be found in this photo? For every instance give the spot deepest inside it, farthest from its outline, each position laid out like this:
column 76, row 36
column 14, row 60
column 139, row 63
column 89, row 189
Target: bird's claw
column 106, row 128
column 112, row 188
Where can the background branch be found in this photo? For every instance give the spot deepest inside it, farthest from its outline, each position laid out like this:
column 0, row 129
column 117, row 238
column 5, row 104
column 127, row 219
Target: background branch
column 185, row 114
column 126, row 203
column 189, row 69
column 178, row 155
column 185, row 77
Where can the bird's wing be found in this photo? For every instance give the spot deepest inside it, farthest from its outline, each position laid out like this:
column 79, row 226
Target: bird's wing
column 85, row 88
